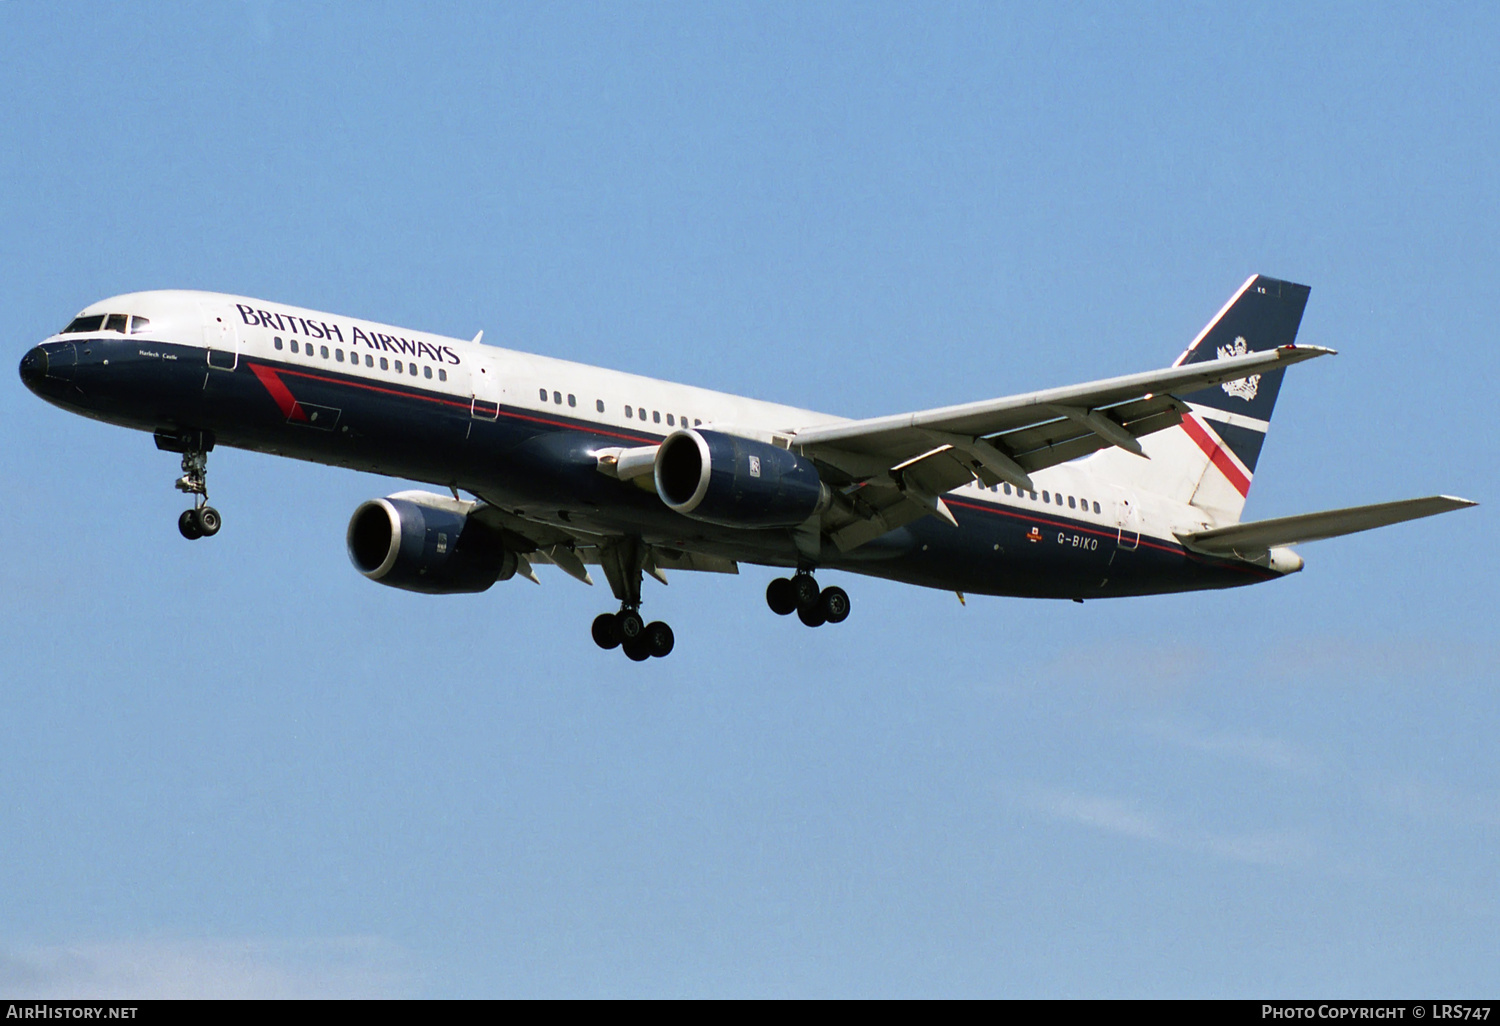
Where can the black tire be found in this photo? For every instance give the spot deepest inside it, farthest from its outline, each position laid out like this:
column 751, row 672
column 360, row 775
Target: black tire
column 187, row 525
column 805, row 590
column 833, row 603
column 629, row 625
column 781, row 597
column 604, row 631
column 812, row 617
column 638, row 648
column 659, row 639
column 209, row 521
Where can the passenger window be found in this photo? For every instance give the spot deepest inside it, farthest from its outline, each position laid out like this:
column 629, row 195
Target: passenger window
column 294, row 345
column 1096, row 507
column 557, row 398
column 1007, row 489
column 1070, row 502
column 324, row 353
column 442, row 374
column 413, row 368
column 277, row 341
column 426, row 372
column 138, row 324
column 543, row 393
column 116, row 322
column 572, row 399
column 627, row 413
column 369, row 361
column 669, row 420
column 656, row 416
column 1046, row 497
column 384, row 364
column 79, row 324
column 697, row 422
column 599, row 405
column 338, row 354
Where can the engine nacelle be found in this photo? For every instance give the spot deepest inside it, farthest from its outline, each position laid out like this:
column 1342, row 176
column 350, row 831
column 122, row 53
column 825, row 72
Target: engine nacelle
column 428, row 543
column 737, row 482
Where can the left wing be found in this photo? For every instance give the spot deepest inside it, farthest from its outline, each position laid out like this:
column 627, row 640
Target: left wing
column 573, row 551
column 896, row 468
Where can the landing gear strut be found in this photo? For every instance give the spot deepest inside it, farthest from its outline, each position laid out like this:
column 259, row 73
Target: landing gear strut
column 623, row 564
column 202, row 521
column 800, row 594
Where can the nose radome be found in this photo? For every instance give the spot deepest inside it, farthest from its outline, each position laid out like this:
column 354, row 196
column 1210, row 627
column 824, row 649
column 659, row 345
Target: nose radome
column 34, row 366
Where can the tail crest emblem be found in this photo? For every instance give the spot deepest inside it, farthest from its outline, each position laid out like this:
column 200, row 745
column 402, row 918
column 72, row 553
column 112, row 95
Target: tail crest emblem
column 1245, row 388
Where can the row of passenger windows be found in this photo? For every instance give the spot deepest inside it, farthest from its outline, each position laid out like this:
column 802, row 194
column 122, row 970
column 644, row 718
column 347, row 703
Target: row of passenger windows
column 631, row 412
column 338, row 355
column 1049, row 498
column 106, row 322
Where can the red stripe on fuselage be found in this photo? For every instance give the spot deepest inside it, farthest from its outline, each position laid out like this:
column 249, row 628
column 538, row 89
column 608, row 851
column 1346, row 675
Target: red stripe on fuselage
column 263, row 373
column 283, row 395
column 1216, row 454
column 1022, row 514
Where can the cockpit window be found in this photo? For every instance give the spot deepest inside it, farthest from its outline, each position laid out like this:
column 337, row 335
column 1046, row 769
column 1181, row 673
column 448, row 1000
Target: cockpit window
column 92, row 322
column 107, row 322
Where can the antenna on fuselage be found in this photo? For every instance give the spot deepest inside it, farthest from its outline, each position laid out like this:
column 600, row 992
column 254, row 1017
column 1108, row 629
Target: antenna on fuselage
column 478, row 337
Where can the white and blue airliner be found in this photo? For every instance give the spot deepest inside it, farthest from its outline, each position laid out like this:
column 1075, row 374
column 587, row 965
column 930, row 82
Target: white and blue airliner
column 1127, row 486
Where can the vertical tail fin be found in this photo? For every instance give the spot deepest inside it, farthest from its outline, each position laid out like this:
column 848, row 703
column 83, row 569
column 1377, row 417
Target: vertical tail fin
column 1209, row 460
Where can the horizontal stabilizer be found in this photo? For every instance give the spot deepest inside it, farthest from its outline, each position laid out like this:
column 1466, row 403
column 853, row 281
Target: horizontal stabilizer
column 1256, row 537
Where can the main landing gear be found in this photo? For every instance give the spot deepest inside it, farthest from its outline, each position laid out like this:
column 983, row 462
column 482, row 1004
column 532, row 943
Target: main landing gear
column 624, row 563
column 800, row 594
column 202, row 521
column 639, row 640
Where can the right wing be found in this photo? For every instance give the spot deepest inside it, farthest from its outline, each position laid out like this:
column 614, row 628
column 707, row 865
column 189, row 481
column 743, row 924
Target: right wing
column 895, row 468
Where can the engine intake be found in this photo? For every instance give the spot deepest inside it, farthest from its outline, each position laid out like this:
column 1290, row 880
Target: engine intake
column 736, row 482
column 427, row 543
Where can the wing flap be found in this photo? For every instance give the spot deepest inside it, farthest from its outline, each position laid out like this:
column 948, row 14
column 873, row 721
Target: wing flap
column 1258, row 536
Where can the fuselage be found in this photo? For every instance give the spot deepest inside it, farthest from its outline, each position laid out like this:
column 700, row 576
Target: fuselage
column 521, row 432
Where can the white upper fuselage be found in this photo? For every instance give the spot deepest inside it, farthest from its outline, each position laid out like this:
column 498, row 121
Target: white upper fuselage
column 474, row 371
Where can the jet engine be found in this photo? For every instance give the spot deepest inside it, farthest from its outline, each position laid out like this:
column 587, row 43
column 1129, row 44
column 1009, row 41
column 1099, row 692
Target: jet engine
column 423, row 542
column 737, row 482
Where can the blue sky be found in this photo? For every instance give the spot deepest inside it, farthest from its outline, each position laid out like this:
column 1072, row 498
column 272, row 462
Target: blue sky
column 240, row 768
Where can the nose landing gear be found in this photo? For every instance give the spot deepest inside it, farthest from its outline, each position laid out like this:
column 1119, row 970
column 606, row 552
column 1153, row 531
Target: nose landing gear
column 800, row 594
column 202, row 521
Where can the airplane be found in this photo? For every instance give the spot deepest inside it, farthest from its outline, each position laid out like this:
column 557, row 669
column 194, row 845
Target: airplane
column 1130, row 485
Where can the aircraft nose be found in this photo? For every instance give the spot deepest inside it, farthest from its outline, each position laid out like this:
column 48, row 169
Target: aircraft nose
column 34, row 366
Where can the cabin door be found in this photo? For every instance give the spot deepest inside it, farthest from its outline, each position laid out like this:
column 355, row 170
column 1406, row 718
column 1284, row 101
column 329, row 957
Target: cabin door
column 221, row 339
column 1128, row 519
column 484, row 384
